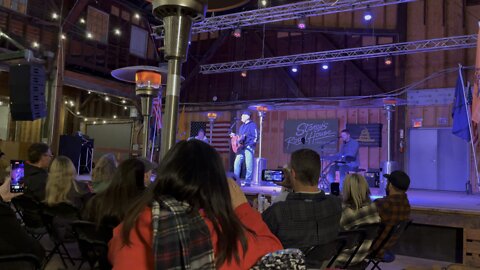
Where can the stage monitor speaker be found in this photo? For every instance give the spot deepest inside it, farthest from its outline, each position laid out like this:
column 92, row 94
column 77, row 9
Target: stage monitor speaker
column 27, row 92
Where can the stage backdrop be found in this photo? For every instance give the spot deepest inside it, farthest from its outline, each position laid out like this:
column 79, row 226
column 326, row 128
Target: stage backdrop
column 318, row 135
column 366, row 134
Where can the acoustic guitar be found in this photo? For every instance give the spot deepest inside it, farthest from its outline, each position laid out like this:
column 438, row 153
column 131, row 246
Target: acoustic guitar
column 237, row 142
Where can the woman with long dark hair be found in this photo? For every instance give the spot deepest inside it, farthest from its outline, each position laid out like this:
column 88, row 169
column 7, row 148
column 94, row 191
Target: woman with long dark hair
column 109, row 206
column 191, row 216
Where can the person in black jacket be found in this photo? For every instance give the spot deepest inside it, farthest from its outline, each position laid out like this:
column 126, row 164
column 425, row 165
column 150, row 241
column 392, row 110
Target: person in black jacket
column 248, row 136
column 13, row 238
column 35, row 180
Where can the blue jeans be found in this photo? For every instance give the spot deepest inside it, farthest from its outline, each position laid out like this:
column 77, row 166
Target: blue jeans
column 246, row 155
column 344, row 169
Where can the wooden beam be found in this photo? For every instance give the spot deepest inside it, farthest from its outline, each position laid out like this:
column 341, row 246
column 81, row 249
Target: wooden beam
column 206, row 57
column 74, row 14
column 99, row 85
column 282, row 73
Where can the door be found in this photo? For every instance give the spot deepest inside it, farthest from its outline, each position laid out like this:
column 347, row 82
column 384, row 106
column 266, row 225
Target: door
column 423, row 158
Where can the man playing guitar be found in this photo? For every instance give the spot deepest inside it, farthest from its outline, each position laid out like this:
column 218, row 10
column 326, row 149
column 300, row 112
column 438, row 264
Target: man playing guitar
column 243, row 144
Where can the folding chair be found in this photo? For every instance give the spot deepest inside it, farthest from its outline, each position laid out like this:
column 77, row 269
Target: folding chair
column 396, row 231
column 316, row 256
column 93, row 243
column 58, row 220
column 23, row 261
column 31, row 214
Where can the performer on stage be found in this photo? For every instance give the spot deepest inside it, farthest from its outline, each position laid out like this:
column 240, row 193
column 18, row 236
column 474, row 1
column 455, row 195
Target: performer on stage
column 347, row 157
column 245, row 142
column 200, row 136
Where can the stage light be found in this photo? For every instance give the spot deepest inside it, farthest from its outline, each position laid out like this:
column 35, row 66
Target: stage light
column 89, row 35
column 107, row 98
column 388, row 60
column 117, row 32
column 114, row 117
column 237, row 32
column 54, row 15
column 137, row 16
column 367, row 15
column 302, row 23
column 243, row 73
column 294, row 69
column 35, row 44
column 325, row 66
column 82, row 20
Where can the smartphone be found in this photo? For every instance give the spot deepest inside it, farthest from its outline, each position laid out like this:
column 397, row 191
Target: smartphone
column 273, row 175
column 17, row 172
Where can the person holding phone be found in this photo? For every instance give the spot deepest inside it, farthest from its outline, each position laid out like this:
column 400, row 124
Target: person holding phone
column 295, row 221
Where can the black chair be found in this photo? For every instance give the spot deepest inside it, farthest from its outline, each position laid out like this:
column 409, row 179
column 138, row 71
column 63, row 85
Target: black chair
column 354, row 241
column 31, row 214
column 317, row 255
column 22, row 261
column 395, row 232
column 58, row 221
column 93, row 243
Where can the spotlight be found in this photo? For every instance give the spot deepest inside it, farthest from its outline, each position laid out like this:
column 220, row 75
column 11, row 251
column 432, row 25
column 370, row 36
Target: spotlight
column 54, row 15
column 243, row 73
column 367, row 15
column 294, row 69
column 82, row 20
column 325, row 66
column 114, row 117
column 35, row 44
column 117, row 32
column 237, row 32
column 302, row 23
column 89, row 35
column 388, row 60
column 107, row 98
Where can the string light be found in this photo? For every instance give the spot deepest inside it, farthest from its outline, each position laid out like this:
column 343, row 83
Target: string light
column 137, row 16
column 89, row 92
column 114, row 117
column 124, row 101
column 54, row 15
column 89, row 35
column 104, row 122
column 78, row 113
column 85, row 119
column 117, row 32
column 35, row 44
column 107, row 98
column 125, row 108
column 63, row 36
column 94, row 122
column 1, row 103
column 82, row 20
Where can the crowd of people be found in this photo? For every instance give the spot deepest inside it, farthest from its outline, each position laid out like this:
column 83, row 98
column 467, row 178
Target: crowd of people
column 192, row 214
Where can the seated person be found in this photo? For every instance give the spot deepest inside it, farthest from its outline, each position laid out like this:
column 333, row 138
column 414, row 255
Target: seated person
column 191, row 194
column 392, row 209
column 62, row 187
column 200, row 136
column 109, row 206
column 103, row 172
column 39, row 158
column 358, row 209
column 348, row 154
column 14, row 239
column 307, row 217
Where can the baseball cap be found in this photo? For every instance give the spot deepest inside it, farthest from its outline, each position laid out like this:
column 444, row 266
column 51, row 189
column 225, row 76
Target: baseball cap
column 398, row 179
column 249, row 113
column 149, row 166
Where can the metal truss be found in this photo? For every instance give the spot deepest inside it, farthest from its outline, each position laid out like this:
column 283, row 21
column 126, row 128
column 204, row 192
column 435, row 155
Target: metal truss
column 283, row 13
column 421, row 46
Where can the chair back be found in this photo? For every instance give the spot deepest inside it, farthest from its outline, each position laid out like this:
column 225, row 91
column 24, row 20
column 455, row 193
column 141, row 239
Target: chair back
column 30, row 211
column 58, row 219
column 22, row 261
column 292, row 259
column 93, row 242
column 317, row 255
column 395, row 232
column 355, row 239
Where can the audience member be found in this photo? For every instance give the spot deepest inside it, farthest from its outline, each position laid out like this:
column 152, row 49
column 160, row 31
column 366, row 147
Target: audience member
column 13, row 237
column 39, row 158
column 103, row 172
column 109, row 206
column 149, row 168
column 62, row 186
column 392, row 209
column 307, row 217
column 193, row 209
column 4, row 167
column 358, row 210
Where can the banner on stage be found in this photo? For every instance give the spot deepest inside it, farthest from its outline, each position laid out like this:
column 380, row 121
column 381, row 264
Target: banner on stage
column 369, row 135
column 318, row 135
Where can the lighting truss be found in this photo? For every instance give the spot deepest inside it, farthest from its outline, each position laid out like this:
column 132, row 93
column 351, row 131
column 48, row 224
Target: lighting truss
column 420, row 46
column 282, row 13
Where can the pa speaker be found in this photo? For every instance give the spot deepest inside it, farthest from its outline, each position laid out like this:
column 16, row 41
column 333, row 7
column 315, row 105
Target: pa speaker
column 27, row 92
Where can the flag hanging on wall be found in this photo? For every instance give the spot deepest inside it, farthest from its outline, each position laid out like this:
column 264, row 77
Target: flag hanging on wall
column 220, row 134
column 460, row 126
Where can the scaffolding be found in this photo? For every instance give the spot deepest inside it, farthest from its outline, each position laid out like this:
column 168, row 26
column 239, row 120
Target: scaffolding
column 420, row 46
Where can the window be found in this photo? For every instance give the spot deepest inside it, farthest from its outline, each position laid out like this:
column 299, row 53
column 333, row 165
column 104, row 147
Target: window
column 138, row 41
column 17, row 5
column 97, row 24
column 115, row 11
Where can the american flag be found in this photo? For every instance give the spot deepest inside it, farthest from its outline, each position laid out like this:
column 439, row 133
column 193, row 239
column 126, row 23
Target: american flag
column 220, row 134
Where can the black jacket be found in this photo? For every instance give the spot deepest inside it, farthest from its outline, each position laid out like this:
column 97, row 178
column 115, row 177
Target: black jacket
column 13, row 238
column 35, row 180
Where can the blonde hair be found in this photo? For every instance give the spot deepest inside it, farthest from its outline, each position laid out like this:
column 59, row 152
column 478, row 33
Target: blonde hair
column 61, row 179
column 356, row 192
column 105, row 168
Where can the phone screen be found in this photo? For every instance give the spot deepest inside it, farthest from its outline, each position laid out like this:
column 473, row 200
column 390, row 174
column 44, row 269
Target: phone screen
column 17, row 173
column 273, row 175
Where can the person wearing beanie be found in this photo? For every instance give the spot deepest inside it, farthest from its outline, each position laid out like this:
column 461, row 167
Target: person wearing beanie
column 392, row 209
column 244, row 143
